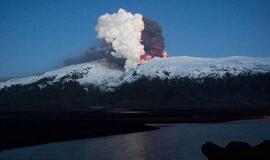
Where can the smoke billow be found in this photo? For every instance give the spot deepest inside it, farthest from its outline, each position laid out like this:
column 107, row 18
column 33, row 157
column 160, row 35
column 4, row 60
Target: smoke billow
column 123, row 31
column 125, row 38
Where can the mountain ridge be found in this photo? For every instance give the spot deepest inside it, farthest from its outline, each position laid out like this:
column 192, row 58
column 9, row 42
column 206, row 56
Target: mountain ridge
column 108, row 75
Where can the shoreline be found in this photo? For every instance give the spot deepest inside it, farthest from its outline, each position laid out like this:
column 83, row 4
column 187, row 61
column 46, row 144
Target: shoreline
column 28, row 128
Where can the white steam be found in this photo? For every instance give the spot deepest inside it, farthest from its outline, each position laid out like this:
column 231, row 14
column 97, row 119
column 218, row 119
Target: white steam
column 123, row 31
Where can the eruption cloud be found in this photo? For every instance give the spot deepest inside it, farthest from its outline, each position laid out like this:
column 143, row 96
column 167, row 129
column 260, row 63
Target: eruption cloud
column 123, row 31
column 126, row 38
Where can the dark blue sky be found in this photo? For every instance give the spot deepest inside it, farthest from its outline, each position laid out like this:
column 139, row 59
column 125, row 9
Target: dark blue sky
column 37, row 35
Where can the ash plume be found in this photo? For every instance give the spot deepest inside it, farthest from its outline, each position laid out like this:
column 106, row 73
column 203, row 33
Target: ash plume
column 124, row 38
column 95, row 53
column 152, row 38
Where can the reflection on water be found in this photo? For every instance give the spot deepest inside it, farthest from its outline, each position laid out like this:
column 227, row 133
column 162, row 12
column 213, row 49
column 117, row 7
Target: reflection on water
column 174, row 141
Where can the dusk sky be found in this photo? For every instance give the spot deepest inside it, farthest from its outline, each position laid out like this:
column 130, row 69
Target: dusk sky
column 38, row 35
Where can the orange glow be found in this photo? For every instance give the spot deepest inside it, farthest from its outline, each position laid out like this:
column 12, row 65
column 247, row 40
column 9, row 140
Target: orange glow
column 164, row 55
column 145, row 58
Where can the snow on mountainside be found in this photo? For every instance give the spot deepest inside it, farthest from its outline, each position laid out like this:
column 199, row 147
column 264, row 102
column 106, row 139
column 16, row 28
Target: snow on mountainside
column 107, row 75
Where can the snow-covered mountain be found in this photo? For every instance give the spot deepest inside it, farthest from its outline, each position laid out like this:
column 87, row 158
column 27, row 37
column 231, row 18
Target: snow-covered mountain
column 107, row 75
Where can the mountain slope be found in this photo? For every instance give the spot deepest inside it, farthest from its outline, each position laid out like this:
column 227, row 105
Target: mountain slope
column 107, row 75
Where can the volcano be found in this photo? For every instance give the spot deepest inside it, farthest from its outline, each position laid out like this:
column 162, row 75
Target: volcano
column 174, row 82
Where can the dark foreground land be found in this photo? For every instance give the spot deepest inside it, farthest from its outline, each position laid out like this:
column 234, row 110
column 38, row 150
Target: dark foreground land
column 236, row 150
column 25, row 128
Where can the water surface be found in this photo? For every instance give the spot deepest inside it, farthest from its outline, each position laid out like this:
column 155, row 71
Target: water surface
column 172, row 141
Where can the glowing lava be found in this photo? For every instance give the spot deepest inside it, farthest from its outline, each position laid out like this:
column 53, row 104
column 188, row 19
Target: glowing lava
column 147, row 57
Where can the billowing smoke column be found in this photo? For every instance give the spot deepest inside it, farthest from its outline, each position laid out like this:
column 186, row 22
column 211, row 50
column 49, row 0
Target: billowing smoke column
column 123, row 31
column 126, row 39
